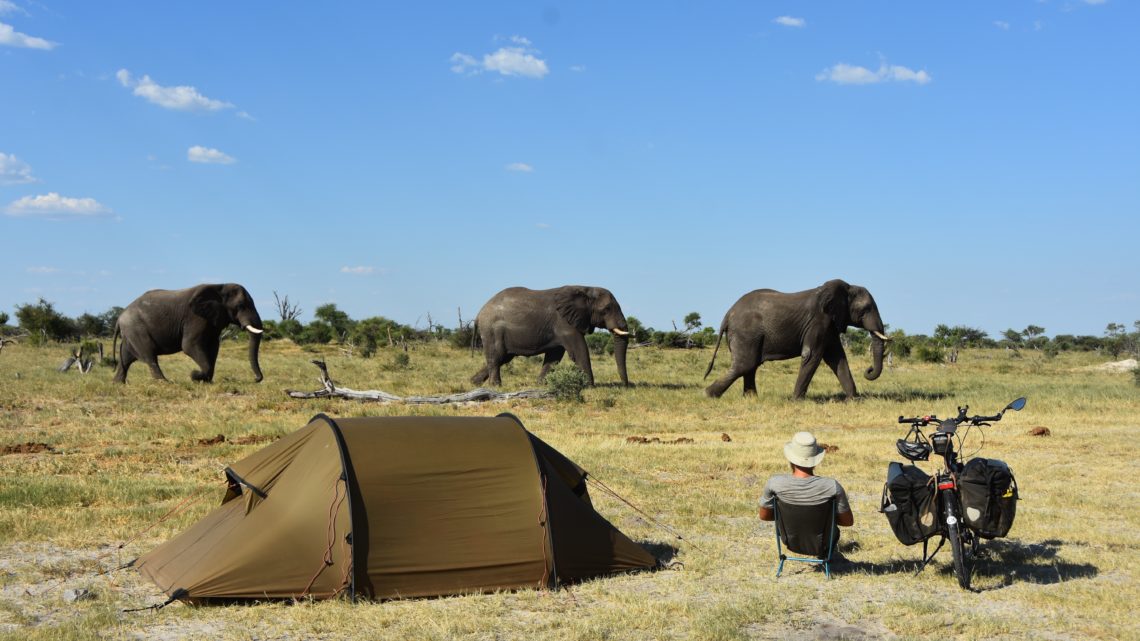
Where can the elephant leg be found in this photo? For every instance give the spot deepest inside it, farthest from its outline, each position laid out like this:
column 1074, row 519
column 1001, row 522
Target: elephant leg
column 580, row 354
column 836, row 359
column 479, row 376
column 205, row 354
column 810, row 363
column 126, row 358
column 155, row 370
column 549, row 360
column 745, row 361
column 749, row 377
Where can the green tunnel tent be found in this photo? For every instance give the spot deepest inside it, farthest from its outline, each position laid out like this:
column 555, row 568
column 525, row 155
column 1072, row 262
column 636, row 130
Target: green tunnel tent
column 390, row 507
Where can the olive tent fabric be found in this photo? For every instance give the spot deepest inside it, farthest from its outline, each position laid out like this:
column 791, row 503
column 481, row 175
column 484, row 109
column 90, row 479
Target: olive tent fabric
column 390, row 507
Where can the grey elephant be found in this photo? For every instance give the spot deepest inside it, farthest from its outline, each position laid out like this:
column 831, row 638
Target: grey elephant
column 191, row 321
column 524, row 322
column 767, row 325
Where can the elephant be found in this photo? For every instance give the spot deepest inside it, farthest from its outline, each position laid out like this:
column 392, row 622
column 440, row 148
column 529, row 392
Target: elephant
column 190, row 320
column 767, row 325
column 523, row 322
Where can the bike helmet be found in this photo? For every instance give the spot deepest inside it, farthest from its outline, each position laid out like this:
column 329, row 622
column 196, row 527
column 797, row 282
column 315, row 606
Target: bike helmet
column 915, row 450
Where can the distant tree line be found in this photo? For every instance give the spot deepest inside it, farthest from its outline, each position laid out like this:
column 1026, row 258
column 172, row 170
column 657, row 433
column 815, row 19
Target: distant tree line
column 40, row 323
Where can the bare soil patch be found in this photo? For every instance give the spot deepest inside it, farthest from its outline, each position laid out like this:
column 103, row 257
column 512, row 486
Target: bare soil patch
column 26, row 448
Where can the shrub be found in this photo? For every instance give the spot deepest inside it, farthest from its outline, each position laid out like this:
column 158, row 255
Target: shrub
column 599, row 343
column 316, row 332
column 400, row 360
column 44, row 323
column 566, row 383
column 461, row 338
column 930, row 353
column 1136, row 376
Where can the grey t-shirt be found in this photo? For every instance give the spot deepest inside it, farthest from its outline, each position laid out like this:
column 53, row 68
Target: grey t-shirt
column 804, row 491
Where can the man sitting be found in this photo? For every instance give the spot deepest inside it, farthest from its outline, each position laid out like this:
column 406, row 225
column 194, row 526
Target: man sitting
column 802, row 486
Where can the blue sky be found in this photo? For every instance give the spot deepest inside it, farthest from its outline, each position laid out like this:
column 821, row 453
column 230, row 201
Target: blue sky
column 970, row 163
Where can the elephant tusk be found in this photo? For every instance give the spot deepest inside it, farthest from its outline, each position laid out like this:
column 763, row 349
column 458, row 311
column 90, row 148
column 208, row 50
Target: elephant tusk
column 619, row 332
column 253, row 330
column 881, row 336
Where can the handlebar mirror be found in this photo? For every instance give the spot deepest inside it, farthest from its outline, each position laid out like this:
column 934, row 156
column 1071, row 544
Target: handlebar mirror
column 1016, row 405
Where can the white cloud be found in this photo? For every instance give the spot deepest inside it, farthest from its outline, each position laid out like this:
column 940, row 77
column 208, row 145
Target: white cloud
column 578, row 68
column 181, row 98
column 1001, row 24
column 520, row 167
column 789, row 21
column 520, row 60
column 12, row 38
column 52, row 206
column 43, row 270
column 359, row 270
column 14, row 171
column 209, row 156
column 7, row 6
column 845, row 74
column 1094, row 2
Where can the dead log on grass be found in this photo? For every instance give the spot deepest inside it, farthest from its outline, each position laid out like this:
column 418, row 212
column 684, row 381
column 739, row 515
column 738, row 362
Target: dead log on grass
column 480, row 394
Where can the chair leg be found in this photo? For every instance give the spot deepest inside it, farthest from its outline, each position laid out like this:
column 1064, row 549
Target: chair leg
column 780, row 567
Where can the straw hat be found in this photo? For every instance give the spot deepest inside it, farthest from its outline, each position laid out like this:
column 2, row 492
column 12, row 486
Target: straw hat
column 803, row 451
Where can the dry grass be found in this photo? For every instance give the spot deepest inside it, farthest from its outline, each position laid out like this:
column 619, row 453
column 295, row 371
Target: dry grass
column 121, row 457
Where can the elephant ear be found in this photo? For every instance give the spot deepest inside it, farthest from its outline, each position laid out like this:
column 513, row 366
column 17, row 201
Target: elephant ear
column 207, row 303
column 573, row 305
column 833, row 304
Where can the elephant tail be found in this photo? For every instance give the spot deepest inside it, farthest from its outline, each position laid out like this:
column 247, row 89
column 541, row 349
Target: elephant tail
column 115, row 343
column 723, row 329
column 474, row 334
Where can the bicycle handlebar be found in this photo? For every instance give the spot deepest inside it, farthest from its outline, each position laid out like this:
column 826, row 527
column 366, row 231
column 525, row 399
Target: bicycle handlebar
column 926, row 420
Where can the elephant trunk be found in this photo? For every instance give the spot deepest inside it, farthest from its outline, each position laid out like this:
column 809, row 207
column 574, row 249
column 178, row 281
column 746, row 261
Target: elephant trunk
column 621, row 344
column 252, row 324
column 878, row 342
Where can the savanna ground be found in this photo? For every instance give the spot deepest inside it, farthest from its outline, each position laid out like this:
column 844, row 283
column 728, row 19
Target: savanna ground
column 106, row 462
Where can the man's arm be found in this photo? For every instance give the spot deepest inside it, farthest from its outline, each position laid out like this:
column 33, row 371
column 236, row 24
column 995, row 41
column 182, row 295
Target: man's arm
column 843, row 516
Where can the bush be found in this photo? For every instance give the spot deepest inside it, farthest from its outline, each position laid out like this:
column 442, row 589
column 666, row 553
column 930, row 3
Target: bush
column 599, row 343
column 316, row 332
column 566, row 383
column 1136, row 376
column 400, row 360
column 930, row 354
column 43, row 323
column 461, row 338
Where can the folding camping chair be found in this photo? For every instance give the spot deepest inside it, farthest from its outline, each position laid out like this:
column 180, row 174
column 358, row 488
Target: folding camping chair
column 806, row 529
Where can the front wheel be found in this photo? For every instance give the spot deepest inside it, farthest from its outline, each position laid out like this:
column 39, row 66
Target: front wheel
column 963, row 567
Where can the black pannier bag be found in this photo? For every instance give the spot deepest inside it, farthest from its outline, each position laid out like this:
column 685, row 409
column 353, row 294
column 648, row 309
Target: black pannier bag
column 989, row 496
column 908, row 502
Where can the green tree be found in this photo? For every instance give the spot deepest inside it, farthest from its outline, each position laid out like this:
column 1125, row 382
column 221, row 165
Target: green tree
column 44, row 323
column 961, row 336
column 1012, row 337
column 338, row 321
column 91, row 325
column 3, row 318
column 316, row 331
column 638, row 332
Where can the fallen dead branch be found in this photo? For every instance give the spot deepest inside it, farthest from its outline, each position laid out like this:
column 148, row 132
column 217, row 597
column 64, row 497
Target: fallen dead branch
column 480, row 394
